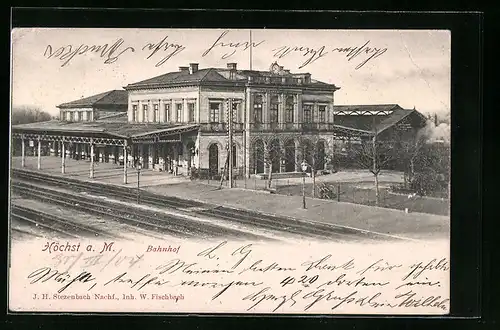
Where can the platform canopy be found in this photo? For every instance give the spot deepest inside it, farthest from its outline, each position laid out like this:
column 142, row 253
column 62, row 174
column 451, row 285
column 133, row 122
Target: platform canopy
column 109, row 133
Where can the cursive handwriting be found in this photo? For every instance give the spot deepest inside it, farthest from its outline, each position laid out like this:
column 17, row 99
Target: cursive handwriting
column 139, row 282
column 419, row 268
column 312, row 54
column 68, row 52
column 378, row 266
column 45, row 274
column 353, row 52
column 178, row 265
column 321, row 265
column 114, row 259
column 343, row 280
column 232, row 46
column 171, row 49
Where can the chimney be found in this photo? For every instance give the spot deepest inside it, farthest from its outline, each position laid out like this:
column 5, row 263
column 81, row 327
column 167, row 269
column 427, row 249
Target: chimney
column 193, row 67
column 231, row 66
column 307, row 78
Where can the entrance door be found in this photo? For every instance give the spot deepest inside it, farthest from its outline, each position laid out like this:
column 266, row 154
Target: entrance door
column 213, row 159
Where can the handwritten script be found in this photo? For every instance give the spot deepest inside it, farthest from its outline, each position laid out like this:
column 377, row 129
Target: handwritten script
column 241, row 278
column 162, row 49
column 224, row 46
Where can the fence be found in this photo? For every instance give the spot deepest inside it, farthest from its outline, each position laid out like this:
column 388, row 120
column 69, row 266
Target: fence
column 352, row 192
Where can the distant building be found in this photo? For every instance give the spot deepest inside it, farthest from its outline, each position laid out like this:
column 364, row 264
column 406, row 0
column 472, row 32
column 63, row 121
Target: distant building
column 178, row 120
column 94, row 107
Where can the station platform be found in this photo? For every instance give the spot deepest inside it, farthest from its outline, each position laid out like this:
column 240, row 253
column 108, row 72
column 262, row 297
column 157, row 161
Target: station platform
column 103, row 172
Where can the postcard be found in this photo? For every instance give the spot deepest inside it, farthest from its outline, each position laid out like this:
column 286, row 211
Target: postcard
column 230, row 171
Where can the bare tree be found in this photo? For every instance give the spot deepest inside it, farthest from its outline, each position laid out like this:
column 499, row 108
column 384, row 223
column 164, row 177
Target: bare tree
column 374, row 154
column 408, row 153
column 28, row 114
column 315, row 152
column 272, row 156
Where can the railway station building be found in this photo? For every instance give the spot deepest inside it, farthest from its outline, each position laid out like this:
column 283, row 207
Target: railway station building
column 179, row 120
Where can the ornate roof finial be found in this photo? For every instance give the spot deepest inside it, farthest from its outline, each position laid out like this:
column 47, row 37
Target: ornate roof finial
column 275, row 68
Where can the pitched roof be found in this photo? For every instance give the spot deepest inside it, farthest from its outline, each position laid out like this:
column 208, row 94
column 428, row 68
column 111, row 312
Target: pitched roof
column 207, row 75
column 373, row 122
column 109, row 98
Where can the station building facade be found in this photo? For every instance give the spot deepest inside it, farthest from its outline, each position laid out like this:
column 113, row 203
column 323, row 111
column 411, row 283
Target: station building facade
column 179, row 120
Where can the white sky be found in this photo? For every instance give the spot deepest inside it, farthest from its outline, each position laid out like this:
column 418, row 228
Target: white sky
column 414, row 71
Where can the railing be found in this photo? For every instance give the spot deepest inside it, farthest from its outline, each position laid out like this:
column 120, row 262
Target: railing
column 291, row 126
column 268, row 127
column 220, row 127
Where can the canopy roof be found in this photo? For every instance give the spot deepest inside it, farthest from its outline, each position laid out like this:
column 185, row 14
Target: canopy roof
column 374, row 118
column 115, row 129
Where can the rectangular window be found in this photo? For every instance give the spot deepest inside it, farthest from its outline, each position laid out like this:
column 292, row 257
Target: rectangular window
column 179, row 112
column 84, row 116
column 322, row 113
column 71, row 116
column 157, row 113
column 257, row 109
column 273, row 109
column 191, row 112
column 76, row 115
column 235, row 112
column 289, row 109
column 145, row 113
column 167, row 112
column 214, row 112
column 134, row 113
column 308, row 113
column 274, row 112
column 68, row 116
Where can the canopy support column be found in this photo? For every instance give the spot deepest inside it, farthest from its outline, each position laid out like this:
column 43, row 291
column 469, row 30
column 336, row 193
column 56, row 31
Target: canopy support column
column 39, row 163
column 91, row 158
column 125, row 159
column 23, row 152
column 63, row 157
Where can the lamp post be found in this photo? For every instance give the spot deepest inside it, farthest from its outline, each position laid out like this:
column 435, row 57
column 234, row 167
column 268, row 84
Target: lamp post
column 139, row 167
column 303, row 167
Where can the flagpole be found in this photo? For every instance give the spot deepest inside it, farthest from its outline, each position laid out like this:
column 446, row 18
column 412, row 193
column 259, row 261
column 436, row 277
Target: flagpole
column 250, row 50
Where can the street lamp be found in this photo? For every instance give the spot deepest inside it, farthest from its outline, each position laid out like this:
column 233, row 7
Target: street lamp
column 303, row 167
column 138, row 167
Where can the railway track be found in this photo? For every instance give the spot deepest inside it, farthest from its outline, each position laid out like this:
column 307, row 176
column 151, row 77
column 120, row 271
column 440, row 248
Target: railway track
column 144, row 219
column 52, row 223
column 243, row 217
